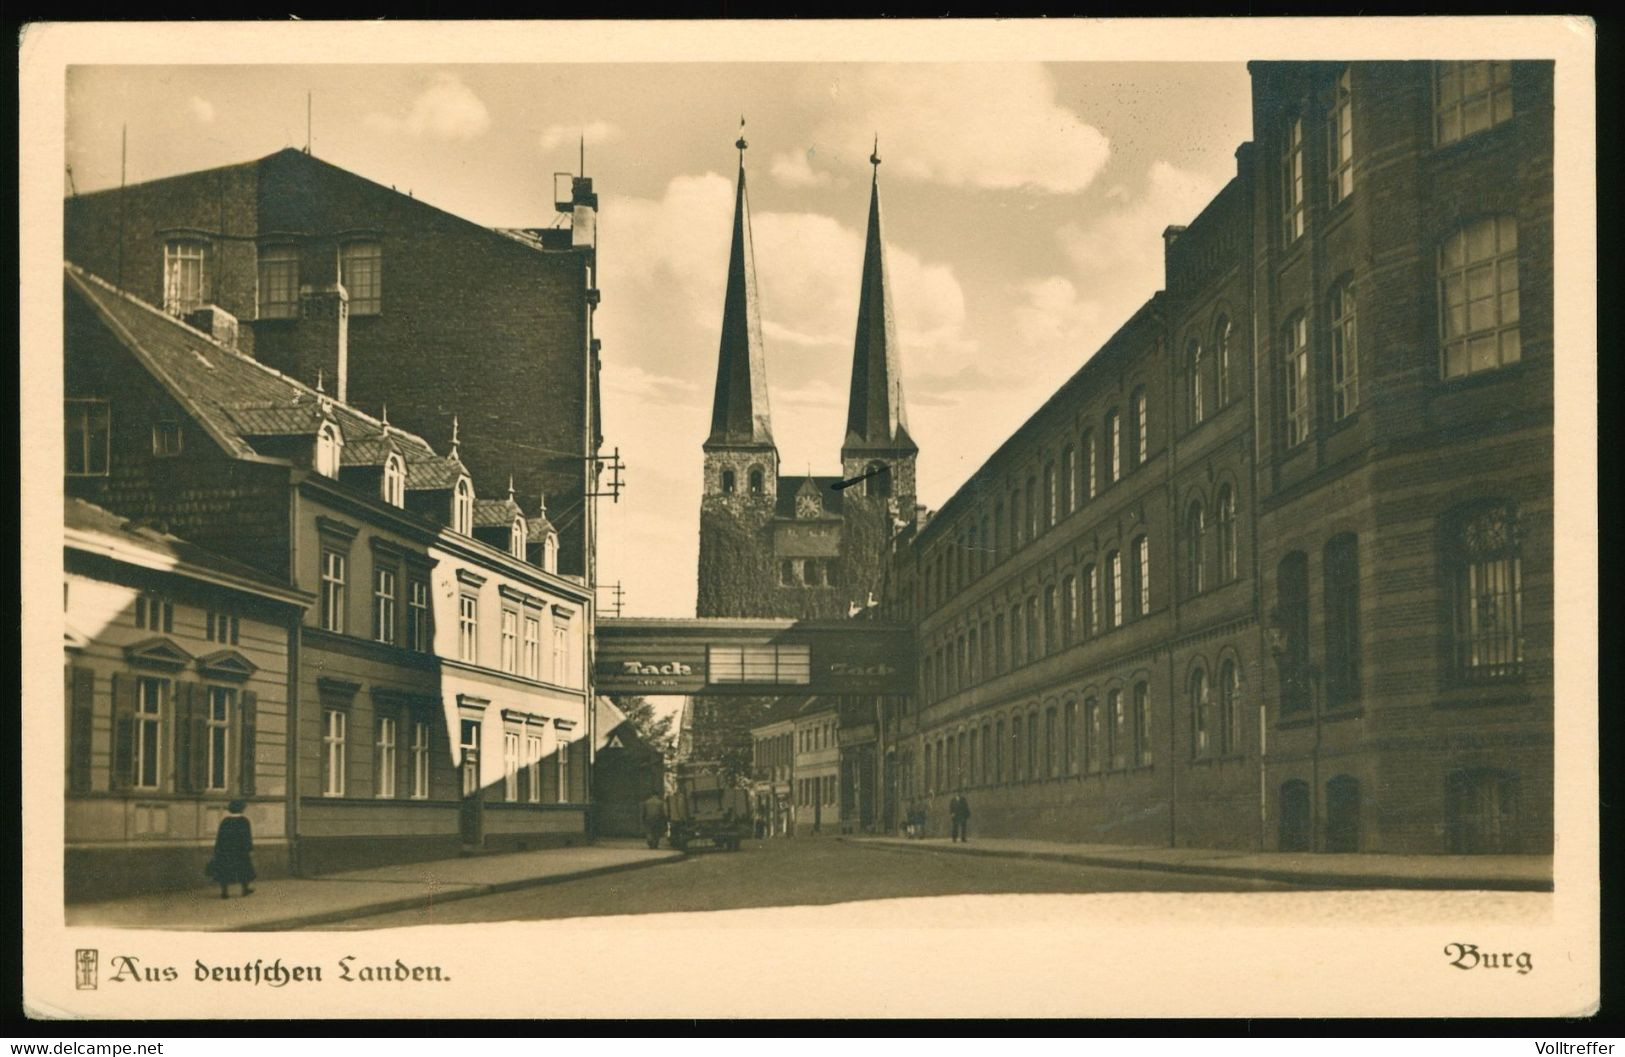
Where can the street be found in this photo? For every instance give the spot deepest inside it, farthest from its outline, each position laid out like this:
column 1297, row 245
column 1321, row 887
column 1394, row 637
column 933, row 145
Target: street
column 816, row 871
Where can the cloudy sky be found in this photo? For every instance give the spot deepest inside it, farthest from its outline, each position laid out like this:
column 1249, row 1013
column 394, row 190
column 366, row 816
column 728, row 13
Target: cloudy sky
column 1024, row 206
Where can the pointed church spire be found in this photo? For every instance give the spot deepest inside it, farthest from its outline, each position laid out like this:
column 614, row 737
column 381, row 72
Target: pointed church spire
column 739, row 413
column 876, row 419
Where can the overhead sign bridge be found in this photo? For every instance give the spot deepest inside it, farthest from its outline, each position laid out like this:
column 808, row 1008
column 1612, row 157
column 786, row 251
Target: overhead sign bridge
column 650, row 655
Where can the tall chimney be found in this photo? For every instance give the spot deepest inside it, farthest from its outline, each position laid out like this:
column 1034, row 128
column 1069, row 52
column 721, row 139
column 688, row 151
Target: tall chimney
column 322, row 341
column 215, row 322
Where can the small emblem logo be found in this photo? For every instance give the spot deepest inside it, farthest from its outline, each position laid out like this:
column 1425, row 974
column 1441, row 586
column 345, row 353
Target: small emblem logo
column 85, row 969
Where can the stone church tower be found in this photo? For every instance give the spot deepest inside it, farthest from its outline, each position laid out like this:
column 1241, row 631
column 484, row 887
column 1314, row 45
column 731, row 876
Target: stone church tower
column 797, row 546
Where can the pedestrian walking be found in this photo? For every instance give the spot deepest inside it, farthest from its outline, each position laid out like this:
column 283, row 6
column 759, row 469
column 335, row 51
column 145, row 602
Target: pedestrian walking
column 233, row 861
column 959, row 811
column 654, row 819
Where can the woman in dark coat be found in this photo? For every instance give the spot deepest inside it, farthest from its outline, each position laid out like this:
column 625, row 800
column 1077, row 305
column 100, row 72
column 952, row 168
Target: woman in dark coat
column 233, row 847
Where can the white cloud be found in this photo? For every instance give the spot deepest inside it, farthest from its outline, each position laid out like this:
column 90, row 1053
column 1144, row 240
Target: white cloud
column 447, row 109
column 202, row 109
column 985, row 125
column 593, row 132
column 794, row 169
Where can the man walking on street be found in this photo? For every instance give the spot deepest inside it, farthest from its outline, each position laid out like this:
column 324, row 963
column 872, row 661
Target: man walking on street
column 959, row 811
column 654, row 819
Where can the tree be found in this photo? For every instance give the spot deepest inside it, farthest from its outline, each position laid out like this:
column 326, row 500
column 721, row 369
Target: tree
column 655, row 730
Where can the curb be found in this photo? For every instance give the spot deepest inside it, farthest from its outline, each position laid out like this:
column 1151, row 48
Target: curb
column 451, row 895
column 1324, row 880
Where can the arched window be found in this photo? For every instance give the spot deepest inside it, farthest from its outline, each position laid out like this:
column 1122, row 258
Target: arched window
column 1091, row 601
column 1142, row 724
column 1340, row 140
column 1000, row 545
column 1015, row 521
column 930, row 777
column 1226, row 514
column 516, row 539
column 998, row 751
column 1017, row 771
column 1051, row 742
column 1201, row 715
column 550, row 552
column 1229, row 731
column 329, row 442
column 1195, row 549
column 1295, row 380
column 1069, row 734
column 757, row 483
column 1034, row 650
column 973, row 768
column 987, row 755
column 1114, row 588
column 1091, row 469
column 1114, row 447
column 878, row 483
column 395, row 481
column 728, row 482
column 1478, row 297
column 1117, row 716
column 1296, row 825
column 1093, row 733
column 1069, row 609
column 1052, row 512
column 1051, row 642
column 1018, row 656
column 1343, row 814
column 1341, row 563
column 1069, row 491
column 1221, row 358
column 1032, row 510
column 987, row 545
column 1142, row 428
column 1033, row 772
column 1481, row 812
column 1486, row 592
column 462, row 512
column 1345, row 360
column 1193, row 359
column 1142, row 576
column 1292, row 617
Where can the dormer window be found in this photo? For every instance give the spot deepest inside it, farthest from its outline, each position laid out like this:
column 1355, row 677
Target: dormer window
column 395, row 481
column 328, row 444
column 516, row 544
column 550, row 552
column 462, row 508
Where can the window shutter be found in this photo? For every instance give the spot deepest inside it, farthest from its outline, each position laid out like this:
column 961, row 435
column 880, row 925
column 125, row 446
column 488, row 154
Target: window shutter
column 246, row 769
column 123, row 775
column 82, row 686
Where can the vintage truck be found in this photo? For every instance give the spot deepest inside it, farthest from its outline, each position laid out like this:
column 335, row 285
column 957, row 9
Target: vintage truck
column 706, row 809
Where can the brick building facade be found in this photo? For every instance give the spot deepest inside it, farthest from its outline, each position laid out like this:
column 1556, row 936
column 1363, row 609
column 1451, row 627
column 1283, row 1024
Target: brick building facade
column 443, row 319
column 1274, row 568
column 435, row 695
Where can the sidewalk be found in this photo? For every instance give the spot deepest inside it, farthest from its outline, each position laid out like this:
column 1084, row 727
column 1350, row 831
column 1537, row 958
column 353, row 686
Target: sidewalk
column 1507, row 873
column 287, row 903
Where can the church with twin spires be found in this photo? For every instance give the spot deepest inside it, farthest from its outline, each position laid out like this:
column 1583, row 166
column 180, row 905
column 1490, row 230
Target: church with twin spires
column 802, row 546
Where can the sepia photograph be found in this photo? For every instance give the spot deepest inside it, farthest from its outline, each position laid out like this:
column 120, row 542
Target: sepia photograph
column 723, row 501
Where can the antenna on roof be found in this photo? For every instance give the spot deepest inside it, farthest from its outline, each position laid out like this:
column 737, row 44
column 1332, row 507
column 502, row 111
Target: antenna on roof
column 71, row 189
column 123, row 160
column 583, row 171
column 307, row 122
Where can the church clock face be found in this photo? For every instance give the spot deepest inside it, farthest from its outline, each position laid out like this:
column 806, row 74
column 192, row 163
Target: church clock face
column 808, row 506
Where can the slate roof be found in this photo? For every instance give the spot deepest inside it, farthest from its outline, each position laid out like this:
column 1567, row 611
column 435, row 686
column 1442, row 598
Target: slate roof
column 493, row 513
column 236, row 399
